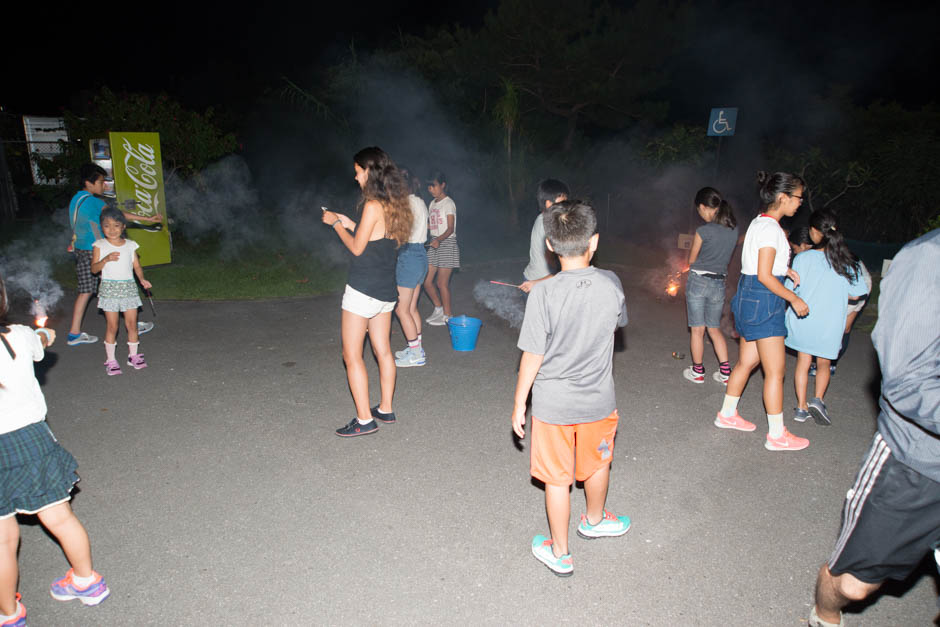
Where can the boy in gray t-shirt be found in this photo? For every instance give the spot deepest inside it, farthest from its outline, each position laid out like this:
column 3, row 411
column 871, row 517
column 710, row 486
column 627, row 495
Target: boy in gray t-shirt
column 567, row 339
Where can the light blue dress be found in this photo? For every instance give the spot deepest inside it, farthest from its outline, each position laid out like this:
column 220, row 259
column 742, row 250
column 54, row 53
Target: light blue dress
column 827, row 293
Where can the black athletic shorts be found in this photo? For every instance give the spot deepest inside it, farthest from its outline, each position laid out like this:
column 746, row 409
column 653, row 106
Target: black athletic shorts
column 890, row 520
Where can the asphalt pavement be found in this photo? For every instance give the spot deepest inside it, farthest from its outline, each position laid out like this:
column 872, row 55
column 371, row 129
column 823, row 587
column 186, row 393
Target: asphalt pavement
column 216, row 493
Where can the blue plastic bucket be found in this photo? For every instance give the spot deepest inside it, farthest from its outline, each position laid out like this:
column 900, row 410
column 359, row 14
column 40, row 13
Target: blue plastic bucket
column 464, row 332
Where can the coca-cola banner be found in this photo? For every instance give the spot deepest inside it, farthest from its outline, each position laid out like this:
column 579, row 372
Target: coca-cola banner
column 138, row 185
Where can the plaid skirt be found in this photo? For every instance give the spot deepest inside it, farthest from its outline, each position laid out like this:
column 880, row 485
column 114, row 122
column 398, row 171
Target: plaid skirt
column 35, row 471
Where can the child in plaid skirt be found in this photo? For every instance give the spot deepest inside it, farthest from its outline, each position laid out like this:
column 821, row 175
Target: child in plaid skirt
column 36, row 475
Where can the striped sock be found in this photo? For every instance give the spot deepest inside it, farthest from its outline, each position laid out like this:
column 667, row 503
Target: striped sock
column 698, row 368
column 725, row 368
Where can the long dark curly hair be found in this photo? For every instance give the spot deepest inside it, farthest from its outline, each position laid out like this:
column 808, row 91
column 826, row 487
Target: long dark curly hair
column 386, row 185
column 840, row 258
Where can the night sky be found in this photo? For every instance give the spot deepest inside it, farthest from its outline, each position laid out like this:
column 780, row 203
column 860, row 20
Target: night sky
column 227, row 56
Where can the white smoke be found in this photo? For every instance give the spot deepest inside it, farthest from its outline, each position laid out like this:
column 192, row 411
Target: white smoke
column 506, row 302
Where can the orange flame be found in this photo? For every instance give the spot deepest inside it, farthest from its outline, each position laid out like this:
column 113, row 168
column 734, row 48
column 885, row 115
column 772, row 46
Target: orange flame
column 41, row 321
column 673, row 288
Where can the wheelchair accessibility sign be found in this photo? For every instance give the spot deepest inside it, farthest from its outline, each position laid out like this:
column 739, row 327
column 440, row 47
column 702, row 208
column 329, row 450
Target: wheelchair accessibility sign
column 721, row 122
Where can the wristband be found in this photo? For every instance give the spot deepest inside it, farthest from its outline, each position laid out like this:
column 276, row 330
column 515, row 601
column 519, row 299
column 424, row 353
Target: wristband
column 335, row 223
column 45, row 332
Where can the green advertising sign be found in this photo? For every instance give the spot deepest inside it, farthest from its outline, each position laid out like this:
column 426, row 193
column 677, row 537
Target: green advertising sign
column 138, row 185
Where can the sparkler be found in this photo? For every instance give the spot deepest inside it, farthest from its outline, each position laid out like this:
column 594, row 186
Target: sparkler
column 150, row 298
column 40, row 311
column 506, row 284
column 41, row 319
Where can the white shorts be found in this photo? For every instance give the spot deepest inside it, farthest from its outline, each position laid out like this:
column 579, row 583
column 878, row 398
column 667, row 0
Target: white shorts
column 358, row 303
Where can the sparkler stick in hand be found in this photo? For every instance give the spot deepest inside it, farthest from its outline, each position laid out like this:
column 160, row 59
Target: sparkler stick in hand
column 506, row 284
column 150, row 298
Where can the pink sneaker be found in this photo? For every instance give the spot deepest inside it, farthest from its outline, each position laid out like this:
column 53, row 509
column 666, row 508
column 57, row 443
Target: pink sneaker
column 734, row 422
column 786, row 442
column 137, row 361
column 112, row 368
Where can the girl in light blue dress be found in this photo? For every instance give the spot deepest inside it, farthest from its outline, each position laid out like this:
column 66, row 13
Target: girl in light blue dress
column 828, row 276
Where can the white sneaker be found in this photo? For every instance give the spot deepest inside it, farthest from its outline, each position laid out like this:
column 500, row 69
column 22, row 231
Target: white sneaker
column 413, row 357
column 436, row 316
column 720, row 378
column 144, row 327
column 83, row 338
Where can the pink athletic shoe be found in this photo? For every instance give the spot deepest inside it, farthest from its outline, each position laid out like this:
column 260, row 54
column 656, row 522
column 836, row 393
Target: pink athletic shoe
column 786, row 442
column 734, row 422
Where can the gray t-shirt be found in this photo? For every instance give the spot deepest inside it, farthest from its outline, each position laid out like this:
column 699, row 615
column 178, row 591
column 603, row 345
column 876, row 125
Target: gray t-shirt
column 718, row 244
column 570, row 319
column 538, row 267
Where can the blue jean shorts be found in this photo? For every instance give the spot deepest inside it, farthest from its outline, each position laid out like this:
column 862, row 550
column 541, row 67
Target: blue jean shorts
column 412, row 265
column 758, row 312
column 704, row 300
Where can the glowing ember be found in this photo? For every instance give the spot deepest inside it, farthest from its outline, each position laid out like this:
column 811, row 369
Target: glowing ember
column 40, row 312
column 673, row 288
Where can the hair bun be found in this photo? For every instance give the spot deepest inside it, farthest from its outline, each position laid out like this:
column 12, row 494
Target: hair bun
column 762, row 177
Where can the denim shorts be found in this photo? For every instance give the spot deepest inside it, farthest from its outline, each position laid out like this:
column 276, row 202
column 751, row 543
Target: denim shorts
column 704, row 300
column 758, row 312
column 412, row 265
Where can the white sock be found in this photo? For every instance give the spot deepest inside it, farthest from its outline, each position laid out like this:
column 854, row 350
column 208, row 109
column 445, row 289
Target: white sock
column 132, row 347
column 775, row 425
column 363, row 422
column 83, row 582
column 730, row 406
column 4, row 617
column 414, row 343
column 438, row 310
column 419, row 340
column 383, row 412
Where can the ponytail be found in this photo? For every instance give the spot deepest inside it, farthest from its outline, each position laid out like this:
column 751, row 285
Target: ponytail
column 711, row 198
column 840, row 258
column 772, row 185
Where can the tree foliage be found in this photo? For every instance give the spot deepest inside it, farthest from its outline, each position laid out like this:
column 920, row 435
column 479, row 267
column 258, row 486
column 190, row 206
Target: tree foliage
column 189, row 141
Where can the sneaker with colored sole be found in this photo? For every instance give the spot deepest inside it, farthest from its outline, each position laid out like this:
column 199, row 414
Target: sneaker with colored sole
column 112, row 367
column 800, row 415
column 144, row 327
column 354, row 428
column 81, row 338
column 137, row 361
column 721, row 378
column 734, row 422
column 388, row 418
column 412, row 357
column 19, row 617
column 64, row 589
column 786, row 442
column 542, row 550
column 401, row 354
column 693, row 376
column 609, row 526
column 817, row 409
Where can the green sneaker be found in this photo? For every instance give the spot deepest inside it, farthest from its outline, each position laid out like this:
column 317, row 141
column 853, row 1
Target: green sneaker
column 542, row 550
column 608, row 527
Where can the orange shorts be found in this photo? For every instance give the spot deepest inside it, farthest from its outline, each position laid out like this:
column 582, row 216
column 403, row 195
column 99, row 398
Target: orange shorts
column 589, row 445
